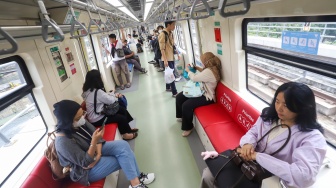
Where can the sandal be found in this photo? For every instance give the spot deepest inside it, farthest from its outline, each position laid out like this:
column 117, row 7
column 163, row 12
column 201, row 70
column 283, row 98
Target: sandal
column 134, row 130
column 134, row 135
column 122, row 87
column 128, row 85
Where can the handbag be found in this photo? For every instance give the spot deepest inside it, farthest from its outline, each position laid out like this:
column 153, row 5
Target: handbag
column 120, row 52
column 108, row 110
column 193, row 89
column 250, row 173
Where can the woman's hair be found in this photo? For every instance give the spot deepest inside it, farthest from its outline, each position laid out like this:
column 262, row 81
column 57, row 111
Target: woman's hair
column 300, row 99
column 213, row 63
column 93, row 81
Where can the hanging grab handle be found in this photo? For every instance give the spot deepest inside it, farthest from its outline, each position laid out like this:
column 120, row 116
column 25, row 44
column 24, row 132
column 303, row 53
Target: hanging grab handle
column 192, row 14
column 11, row 41
column 92, row 22
column 46, row 22
column 102, row 23
column 222, row 5
column 74, row 23
column 181, row 8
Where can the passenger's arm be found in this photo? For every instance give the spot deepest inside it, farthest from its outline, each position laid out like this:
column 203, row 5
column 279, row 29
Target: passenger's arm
column 162, row 44
column 305, row 164
column 204, row 76
column 123, row 38
column 106, row 98
column 130, row 55
column 251, row 137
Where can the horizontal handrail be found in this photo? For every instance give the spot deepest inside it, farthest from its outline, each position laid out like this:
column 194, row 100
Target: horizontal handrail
column 208, row 9
column 223, row 3
column 11, row 41
column 46, row 22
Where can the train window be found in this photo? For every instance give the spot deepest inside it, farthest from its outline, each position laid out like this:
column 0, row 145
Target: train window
column 21, row 123
column 179, row 39
column 301, row 49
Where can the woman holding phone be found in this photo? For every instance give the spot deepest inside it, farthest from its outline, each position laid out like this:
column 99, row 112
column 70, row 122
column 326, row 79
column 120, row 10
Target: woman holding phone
column 94, row 84
column 80, row 146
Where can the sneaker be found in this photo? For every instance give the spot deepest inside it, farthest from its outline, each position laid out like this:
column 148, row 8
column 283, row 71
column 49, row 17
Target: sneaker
column 152, row 62
column 178, row 79
column 174, row 95
column 141, row 185
column 146, row 178
column 168, row 90
column 179, row 119
column 143, row 71
column 160, row 69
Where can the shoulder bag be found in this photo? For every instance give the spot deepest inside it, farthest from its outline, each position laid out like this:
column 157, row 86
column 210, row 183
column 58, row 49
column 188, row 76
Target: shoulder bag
column 240, row 173
column 108, row 110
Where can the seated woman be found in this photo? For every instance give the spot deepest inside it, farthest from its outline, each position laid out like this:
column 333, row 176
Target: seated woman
column 139, row 46
column 298, row 163
column 90, row 158
column 209, row 76
column 94, row 82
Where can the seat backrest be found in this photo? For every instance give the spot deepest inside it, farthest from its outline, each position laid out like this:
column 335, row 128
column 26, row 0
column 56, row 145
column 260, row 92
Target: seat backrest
column 245, row 115
column 227, row 98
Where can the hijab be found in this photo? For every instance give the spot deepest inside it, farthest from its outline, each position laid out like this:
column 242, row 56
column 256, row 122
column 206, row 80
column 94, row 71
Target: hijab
column 213, row 63
column 65, row 111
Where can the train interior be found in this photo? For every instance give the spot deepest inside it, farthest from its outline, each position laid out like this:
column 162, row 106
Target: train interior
column 48, row 46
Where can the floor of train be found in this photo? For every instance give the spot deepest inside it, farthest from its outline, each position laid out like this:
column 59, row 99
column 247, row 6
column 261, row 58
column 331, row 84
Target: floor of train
column 160, row 147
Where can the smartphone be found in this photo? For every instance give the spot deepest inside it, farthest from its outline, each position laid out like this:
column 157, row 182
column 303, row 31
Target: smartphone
column 100, row 128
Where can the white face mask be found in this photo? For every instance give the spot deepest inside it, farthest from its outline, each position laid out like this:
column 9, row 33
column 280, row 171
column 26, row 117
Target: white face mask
column 160, row 31
column 80, row 122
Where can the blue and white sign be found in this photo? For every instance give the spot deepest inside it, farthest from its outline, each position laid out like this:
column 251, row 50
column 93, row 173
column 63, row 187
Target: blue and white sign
column 305, row 42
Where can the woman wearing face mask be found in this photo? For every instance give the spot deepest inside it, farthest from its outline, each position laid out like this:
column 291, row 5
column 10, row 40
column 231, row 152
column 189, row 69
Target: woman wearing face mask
column 90, row 158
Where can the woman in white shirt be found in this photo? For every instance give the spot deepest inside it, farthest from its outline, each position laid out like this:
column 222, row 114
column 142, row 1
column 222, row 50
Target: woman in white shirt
column 209, row 76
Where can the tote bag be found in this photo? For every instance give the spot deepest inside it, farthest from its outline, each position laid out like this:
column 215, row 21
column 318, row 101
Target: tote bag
column 193, row 89
column 169, row 75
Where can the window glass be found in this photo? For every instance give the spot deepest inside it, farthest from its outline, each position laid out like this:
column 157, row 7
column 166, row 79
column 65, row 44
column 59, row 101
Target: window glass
column 309, row 39
column 21, row 124
column 11, row 78
column 305, row 52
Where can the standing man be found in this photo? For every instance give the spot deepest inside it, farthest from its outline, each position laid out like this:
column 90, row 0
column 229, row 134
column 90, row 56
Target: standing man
column 166, row 41
column 118, row 59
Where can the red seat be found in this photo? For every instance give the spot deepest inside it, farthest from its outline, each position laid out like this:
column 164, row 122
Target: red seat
column 41, row 174
column 224, row 136
column 212, row 114
column 226, row 121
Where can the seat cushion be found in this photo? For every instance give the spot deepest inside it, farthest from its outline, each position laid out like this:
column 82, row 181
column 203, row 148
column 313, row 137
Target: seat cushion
column 212, row 114
column 224, row 136
column 71, row 184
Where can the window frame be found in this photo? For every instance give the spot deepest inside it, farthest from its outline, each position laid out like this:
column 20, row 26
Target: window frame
column 315, row 65
column 20, row 93
column 17, row 95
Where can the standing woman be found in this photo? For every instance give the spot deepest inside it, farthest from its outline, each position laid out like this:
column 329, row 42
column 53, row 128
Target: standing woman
column 93, row 82
column 81, row 148
column 209, row 76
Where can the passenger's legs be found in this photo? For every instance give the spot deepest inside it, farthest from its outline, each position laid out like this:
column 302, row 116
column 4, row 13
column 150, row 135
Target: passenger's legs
column 188, row 111
column 117, row 69
column 116, row 155
column 171, row 85
column 124, row 67
column 180, row 99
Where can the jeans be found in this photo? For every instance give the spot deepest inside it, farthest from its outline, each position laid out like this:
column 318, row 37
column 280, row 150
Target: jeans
column 115, row 155
column 171, row 85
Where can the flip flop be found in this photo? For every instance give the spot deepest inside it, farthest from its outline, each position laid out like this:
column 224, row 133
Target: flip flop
column 134, row 130
column 134, row 136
